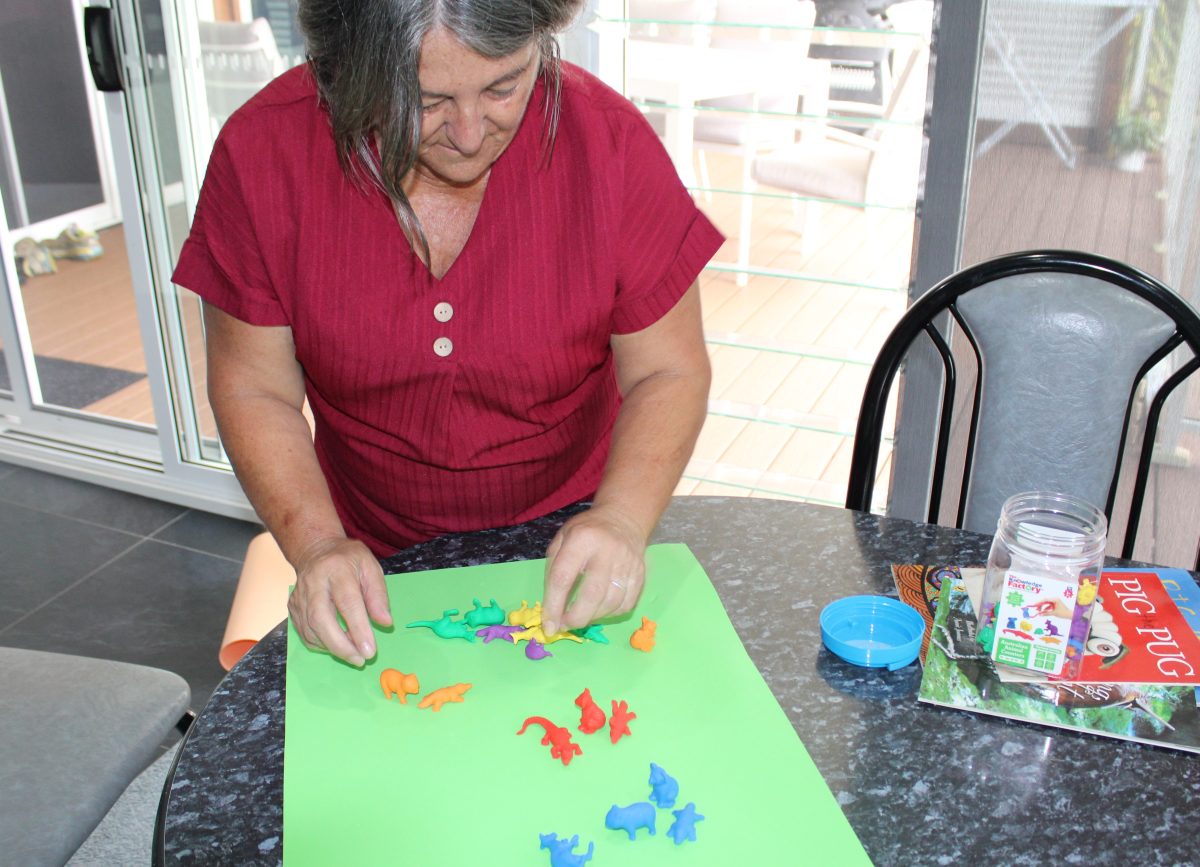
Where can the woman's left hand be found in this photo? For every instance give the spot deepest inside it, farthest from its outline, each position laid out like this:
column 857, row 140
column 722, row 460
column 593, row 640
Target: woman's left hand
column 600, row 556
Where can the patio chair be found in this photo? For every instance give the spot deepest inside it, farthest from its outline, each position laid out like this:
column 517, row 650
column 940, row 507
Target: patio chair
column 748, row 124
column 74, row 732
column 239, row 58
column 876, row 164
column 1059, row 345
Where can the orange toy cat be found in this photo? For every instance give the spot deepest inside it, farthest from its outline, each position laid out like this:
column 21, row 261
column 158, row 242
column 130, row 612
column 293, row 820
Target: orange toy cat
column 398, row 683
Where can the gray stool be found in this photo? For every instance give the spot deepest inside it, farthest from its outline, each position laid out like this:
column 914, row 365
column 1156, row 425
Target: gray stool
column 74, row 732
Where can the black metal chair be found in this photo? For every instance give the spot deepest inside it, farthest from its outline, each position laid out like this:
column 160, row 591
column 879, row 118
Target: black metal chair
column 1060, row 344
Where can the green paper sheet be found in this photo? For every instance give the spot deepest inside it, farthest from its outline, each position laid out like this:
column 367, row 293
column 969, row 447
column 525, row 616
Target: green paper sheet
column 369, row 781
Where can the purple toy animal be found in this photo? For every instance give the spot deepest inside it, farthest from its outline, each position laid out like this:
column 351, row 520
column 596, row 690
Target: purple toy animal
column 630, row 819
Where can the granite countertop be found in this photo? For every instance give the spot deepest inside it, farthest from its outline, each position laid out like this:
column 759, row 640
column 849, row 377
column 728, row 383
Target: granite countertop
column 915, row 781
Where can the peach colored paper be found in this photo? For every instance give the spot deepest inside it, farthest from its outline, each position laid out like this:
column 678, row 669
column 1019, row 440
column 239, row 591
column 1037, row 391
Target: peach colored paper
column 260, row 602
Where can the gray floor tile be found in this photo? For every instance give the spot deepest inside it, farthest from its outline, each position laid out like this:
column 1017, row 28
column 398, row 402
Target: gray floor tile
column 215, row 534
column 157, row 605
column 72, row 498
column 44, row 554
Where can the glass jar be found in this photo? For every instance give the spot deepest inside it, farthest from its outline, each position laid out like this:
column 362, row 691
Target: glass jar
column 1043, row 575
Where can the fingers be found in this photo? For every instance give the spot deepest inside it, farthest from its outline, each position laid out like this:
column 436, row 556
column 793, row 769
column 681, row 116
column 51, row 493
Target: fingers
column 562, row 571
column 342, row 580
column 594, row 569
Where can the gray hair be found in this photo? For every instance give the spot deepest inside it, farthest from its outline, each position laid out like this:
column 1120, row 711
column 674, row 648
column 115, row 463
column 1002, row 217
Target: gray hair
column 364, row 55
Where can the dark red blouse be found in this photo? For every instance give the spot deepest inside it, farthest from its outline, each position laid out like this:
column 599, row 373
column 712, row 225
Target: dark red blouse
column 481, row 399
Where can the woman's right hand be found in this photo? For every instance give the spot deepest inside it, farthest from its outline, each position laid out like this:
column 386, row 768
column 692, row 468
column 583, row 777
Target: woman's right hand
column 339, row 576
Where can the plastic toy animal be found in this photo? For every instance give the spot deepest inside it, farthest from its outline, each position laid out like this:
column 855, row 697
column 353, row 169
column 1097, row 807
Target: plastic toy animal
column 592, row 718
column 526, row 616
column 439, row 697
column 447, row 628
column 398, row 683
column 592, row 632
column 530, row 633
column 630, row 819
column 558, row 739
column 643, row 637
column 484, row 615
column 618, row 721
column 663, row 787
column 502, row 631
column 684, row 826
column 536, row 650
column 562, row 851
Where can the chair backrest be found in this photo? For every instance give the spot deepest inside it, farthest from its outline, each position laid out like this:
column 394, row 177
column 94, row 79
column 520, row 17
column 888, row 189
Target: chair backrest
column 1060, row 342
column 239, row 59
column 684, row 21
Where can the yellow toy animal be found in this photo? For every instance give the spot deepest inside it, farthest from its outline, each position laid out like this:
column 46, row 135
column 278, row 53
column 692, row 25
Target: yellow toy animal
column 398, row 683
column 439, row 697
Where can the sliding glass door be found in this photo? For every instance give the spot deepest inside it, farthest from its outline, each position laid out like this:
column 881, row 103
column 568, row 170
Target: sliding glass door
column 103, row 362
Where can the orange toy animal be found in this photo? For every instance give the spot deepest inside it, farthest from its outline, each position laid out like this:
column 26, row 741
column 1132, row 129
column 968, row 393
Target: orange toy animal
column 439, row 697
column 398, row 683
column 643, row 637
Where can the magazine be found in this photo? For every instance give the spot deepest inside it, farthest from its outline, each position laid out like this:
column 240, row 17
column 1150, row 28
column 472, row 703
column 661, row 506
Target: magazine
column 959, row 674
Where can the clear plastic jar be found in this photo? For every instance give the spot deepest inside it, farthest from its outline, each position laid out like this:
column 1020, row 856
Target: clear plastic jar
column 1043, row 574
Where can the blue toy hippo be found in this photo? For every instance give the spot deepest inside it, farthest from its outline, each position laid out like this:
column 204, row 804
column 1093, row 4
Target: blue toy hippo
column 630, row 819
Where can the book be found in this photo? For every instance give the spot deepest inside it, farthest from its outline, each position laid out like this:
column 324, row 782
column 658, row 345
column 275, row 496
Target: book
column 959, row 674
column 1143, row 630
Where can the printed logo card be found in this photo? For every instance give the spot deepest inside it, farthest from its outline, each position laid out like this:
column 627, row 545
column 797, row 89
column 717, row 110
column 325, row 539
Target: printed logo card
column 1033, row 622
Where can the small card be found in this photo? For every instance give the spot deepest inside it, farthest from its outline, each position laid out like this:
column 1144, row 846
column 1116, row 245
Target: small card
column 1033, row 621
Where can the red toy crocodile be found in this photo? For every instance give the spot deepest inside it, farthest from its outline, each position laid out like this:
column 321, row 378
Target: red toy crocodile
column 557, row 737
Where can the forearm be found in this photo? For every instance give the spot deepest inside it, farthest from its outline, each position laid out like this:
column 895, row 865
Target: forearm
column 653, row 438
column 270, row 446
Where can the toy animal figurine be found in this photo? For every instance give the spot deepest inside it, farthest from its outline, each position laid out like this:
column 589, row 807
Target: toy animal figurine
column 618, row 721
column 663, row 787
column 562, row 852
column 536, row 650
column 501, row 630
column 530, row 633
column 592, row 718
column 643, row 637
column 630, row 819
column 447, row 628
column 484, row 615
column 398, row 683
column 560, row 635
column 526, row 616
column 684, row 826
column 439, row 697
column 558, row 739
column 592, row 632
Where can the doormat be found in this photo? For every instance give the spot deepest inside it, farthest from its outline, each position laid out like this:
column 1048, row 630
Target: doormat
column 74, row 384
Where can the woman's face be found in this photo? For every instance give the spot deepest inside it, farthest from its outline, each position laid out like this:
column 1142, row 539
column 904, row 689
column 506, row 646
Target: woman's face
column 471, row 106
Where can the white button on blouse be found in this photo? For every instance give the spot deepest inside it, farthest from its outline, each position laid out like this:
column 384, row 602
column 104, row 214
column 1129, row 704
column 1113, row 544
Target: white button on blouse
column 443, row 346
column 443, row 311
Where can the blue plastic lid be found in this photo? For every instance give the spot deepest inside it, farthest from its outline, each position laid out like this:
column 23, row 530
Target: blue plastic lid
column 872, row 631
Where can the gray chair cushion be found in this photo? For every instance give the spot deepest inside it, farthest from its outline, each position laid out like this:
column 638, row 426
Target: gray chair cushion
column 74, row 732
column 1060, row 354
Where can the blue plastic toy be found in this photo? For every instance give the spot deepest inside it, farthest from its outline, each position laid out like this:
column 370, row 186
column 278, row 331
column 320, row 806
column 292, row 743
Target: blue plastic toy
column 562, row 852
column 684, row 826
column 663, row 787
column 630, row 819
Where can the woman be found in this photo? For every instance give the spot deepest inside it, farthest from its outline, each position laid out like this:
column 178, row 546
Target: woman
column 479, row 266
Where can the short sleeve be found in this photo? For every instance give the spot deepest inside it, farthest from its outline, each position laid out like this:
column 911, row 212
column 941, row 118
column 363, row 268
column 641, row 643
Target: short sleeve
column 222, row 259
column 664, row 239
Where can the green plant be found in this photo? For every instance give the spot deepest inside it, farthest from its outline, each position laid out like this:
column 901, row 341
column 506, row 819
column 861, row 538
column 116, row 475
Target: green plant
column 1135, row 132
